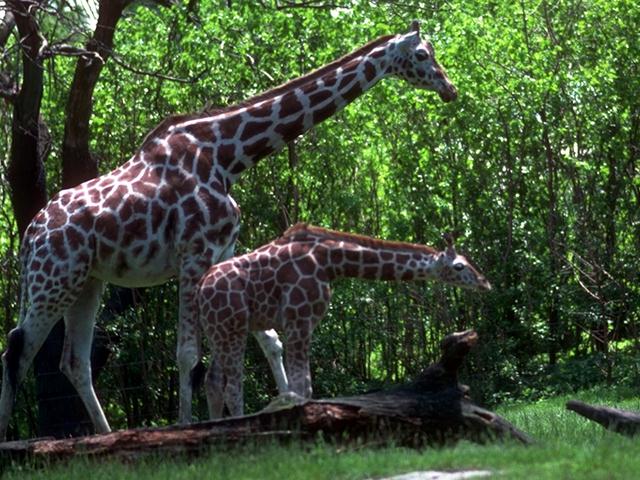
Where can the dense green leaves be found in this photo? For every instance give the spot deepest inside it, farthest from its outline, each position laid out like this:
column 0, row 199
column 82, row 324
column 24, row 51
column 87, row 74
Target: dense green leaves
column 536, row 165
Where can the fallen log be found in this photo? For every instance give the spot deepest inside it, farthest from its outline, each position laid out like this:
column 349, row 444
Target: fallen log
column 434, row 408
column 621, row 421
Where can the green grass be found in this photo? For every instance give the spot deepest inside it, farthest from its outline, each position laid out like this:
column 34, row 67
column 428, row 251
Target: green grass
column 567, row 447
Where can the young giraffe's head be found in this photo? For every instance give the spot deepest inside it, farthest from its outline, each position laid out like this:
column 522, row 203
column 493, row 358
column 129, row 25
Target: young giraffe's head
column 414, row 60
column 457, row 270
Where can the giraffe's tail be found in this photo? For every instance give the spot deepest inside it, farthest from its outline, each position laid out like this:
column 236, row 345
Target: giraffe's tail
column 15, row 342
column 15, row 346
column 197, row 375
column 23, row 291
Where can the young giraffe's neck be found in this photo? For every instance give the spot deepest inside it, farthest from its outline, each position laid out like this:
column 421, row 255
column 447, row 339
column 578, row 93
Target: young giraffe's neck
column 236, row 138
column 355, row 256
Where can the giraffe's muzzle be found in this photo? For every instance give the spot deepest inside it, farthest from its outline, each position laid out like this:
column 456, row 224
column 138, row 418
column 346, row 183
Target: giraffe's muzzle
column 485, row 285
column 448, row 94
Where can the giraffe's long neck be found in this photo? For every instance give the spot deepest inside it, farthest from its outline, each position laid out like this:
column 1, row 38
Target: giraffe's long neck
column 237, row 138
column 342, row 254
column 382, row 262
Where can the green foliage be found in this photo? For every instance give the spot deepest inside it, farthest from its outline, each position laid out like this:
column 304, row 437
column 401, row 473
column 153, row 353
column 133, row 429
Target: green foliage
column 536, row 164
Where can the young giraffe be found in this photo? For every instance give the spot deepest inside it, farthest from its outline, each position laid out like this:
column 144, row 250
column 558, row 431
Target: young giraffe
column 285, row 285
column 167, row 212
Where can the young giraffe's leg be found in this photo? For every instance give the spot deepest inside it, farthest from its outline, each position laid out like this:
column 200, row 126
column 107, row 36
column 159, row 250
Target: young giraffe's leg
column 230, row 355
column 298, row 328
column 75, row 361
column 214, row 387
column 298, row 331
column 224, row 318
column 225, row 377
column 214, row 379
column 272, row 349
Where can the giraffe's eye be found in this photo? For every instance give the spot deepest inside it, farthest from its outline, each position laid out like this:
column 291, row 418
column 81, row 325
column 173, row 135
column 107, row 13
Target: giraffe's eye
column 422, row 56
column 458, row 267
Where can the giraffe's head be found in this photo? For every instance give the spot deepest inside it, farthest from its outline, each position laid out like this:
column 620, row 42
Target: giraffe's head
column 457, row 270
column 413, row 59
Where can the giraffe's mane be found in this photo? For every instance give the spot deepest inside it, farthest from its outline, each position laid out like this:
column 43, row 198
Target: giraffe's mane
column 301, row 231
column 313, row 75
column 165, row 124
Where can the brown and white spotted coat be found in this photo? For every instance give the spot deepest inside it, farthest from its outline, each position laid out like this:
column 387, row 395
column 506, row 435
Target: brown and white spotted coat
column 285, row 285
column 167, row 212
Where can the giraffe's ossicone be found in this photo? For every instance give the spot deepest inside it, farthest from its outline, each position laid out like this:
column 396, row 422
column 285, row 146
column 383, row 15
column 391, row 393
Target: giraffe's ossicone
column 285, row 285
column 168, row 212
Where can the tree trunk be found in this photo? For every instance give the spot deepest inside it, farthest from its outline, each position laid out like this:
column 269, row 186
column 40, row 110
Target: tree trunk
column 432, row 409
column 614, row 419
column 553, row 242
column 25, row 171
column 78, row 165
column 28, row 153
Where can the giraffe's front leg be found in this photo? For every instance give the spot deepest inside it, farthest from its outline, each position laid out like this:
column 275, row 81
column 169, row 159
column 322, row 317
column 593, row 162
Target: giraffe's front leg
column 272, row 348
column 188, row 349
column 75, row 361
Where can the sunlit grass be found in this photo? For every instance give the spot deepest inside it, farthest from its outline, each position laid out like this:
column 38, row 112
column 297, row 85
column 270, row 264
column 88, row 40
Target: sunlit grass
column 567, row 447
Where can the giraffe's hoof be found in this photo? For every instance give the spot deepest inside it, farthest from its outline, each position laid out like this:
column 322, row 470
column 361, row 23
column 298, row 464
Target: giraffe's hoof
column 284, row 401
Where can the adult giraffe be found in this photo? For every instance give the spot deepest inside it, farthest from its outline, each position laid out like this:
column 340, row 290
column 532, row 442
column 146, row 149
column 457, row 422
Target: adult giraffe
column 167, row 212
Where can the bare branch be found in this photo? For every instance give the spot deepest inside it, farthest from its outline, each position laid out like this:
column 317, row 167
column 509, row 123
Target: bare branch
column 307, row 4
column 157, row 74
column 582, row 268
column 70, row 51
column 588, row 291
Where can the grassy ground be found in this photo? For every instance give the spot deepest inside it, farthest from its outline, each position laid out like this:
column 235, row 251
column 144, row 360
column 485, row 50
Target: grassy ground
column 567, row 447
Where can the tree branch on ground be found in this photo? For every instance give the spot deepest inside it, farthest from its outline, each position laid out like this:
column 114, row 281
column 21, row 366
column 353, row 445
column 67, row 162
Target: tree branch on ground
column 432, row 409
column 620, row 421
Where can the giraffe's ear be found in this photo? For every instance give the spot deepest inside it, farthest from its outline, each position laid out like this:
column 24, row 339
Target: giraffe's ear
column 414, row 26
column 409, row 42
column 449, row 238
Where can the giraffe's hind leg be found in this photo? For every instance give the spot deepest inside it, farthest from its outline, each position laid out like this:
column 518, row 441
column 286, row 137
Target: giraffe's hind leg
column 224, row 382
column 51, row 279
column 75, row 362
column 232, row 364
column 10, row 377
column 23, row 344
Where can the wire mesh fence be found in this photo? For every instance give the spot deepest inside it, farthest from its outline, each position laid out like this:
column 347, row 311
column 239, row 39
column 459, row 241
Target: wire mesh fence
column 372, row 335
